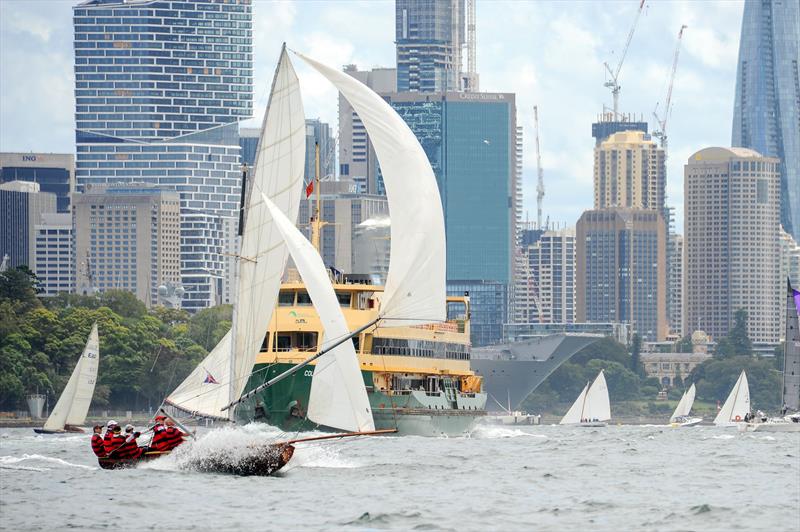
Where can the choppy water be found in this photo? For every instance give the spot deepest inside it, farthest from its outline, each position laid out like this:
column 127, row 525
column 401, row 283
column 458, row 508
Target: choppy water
column 532, row 478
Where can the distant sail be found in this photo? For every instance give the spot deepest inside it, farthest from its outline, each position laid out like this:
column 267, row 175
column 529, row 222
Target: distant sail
column 575, row 412
column 338, row 397
column 598, row 406
column 685, row 404
column 415, row 283
column 791, row 354
column 737, row 404
column 75, row 399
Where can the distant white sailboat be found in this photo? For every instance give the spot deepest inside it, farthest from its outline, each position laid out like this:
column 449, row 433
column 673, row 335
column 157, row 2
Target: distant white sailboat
column 736, row 405
column 681, row 418
column 592, row 408
column 73, row 405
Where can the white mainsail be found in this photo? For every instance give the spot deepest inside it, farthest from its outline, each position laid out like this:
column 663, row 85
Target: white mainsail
column 278, row 173
column 415, row 283
column 791, row 353
column 592, row 404
column 575, row 412
column 338, row 397
column 598, row 406
column 685, row 404
column 737, row 404
column 73, row 405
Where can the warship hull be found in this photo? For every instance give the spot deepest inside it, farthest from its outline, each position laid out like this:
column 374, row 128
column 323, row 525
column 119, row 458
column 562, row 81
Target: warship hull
column 513, row 371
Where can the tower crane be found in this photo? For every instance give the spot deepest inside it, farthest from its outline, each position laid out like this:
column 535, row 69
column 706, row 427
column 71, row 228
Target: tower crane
column 539, row 172
column 613, row 83
column 661, row 133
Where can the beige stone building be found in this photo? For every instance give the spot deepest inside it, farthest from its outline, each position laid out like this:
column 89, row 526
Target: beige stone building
column 629, row 171
column 127, row 238
column 732, row 249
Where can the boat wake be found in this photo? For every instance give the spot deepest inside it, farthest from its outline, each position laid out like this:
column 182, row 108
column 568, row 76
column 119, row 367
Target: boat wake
column 11, row 462
column 498, row 433
column 325, row 456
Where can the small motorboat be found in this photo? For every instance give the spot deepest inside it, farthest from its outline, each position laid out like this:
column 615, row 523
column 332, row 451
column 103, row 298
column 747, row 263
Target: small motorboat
column 685, row 421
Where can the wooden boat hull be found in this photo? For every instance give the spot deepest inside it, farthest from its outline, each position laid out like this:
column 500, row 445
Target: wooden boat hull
column 127, row 463
column 264, row 460
column 67, row 429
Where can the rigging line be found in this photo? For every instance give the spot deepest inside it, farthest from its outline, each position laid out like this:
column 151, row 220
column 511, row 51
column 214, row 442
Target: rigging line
column 178, row 404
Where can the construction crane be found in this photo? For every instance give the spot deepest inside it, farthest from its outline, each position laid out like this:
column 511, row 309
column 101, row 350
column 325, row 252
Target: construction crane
column 539, row 172
column 613, row 83
column 661, row 134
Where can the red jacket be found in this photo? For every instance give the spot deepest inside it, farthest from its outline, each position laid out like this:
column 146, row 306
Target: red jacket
column 116, row 443
column 97, row 445
column 129, row 449
column 160, row 441
column 107, row 446
column 174, row 437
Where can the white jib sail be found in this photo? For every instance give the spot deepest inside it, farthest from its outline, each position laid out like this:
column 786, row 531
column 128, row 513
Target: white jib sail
column 415, row 283
column 338, row 397
column 685, row 404
column 73, row 405
column 575, row 412
column 598, row 406
column 278, row 173
column 205, row 391
column 737, row 404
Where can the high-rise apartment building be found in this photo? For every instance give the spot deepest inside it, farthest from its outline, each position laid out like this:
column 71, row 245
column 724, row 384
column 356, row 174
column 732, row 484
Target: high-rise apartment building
column 607, row 124
column 22, row 205
column 54, row 172
column 54, row 260
column 675, row 289
column 766, row 112
column 629, row 172
column 160, row 87
column 621, row 277
column 127, row 238
column 357, row 160
column 551, row 266
column 318, row 133
column 429, row 35
column 732, row 222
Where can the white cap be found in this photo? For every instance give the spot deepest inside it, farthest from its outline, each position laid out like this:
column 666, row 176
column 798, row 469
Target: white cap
column 128, row 427
column 111, row 423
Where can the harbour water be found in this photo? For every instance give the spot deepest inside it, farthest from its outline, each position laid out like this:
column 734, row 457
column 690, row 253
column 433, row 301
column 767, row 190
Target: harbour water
column 500, row 478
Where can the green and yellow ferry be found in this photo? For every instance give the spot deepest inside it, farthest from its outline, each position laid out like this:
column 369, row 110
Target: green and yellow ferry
column 418, row 378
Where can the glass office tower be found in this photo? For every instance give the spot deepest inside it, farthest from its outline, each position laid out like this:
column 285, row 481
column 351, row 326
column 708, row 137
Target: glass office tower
column 766, row 114
column 160, row 87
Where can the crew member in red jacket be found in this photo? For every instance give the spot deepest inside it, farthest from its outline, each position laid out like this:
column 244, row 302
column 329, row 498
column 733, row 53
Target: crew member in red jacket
column 107, row 437
column 160, row 441
column 174, row 435
column 129, row 449
column 97, row 441
column 116, row 443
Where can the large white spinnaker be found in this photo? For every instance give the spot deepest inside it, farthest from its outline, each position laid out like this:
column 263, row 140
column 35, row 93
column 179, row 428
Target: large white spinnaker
column 73, row 404
column 338, row 398
column 685, row 404
column 278, row 173
column 415, row 284
column 598, row 406
column 575, row 413
column 736, row 405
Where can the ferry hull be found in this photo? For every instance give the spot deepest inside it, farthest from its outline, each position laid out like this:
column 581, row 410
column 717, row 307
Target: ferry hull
column 411, row 412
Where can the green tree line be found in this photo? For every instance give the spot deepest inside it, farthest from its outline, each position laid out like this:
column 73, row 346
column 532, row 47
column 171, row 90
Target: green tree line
column 144, row 353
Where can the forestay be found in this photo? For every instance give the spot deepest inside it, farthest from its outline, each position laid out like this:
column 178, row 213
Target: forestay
column 206, row 390
column 338, row 397
column 737, row 404
column 73, row 405
column 415, row 284
column 598, row 406
column 685, row 404
column 575, row 412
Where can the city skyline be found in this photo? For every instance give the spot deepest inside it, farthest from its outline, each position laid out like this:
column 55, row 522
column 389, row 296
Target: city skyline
column 565, row 79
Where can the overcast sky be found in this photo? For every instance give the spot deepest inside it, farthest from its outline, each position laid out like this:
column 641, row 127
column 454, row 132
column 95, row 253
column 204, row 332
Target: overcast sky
column 550, row 54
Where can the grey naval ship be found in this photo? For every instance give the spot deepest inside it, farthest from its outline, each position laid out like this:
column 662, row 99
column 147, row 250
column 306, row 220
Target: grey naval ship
column 512, row 371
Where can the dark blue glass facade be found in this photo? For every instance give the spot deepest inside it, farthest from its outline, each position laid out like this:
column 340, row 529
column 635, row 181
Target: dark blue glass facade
column 55, row 180
column 766, row 114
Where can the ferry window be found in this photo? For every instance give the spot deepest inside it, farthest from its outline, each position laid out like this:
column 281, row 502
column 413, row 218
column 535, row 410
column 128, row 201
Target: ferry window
column 286, row 299
column 306, row 341
column 357, row 343
column 303, row 299
column 265, row 343
column 284, row 342
column 344, row 298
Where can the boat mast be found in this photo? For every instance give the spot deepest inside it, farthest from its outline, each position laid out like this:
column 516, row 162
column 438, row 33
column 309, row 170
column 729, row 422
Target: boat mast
column 583, row 405
column 240, row 232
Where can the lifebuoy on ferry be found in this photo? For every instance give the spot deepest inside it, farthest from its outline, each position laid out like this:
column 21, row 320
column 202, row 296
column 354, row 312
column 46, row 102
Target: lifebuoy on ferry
column 738, row 418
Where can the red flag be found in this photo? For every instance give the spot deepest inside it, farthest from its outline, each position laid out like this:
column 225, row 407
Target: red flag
column 309, row 189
